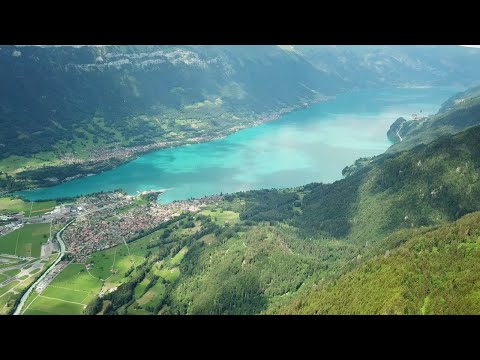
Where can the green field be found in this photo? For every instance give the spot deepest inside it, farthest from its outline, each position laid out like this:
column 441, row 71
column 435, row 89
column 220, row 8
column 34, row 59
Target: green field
column 15, row 163
column 177, row 259
column 10, row 262
column 113, row 263
column 140, row 288
column 68, row 293
column 25, row 241
column 169, row 274
column 4, row 289
column 2, row 278
column 153, row 296
column 12, row 272
column 220, row 217
column 49, row 306
column 9, row 205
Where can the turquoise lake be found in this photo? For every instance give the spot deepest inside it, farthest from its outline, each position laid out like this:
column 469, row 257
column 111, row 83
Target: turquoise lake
column 313, row 144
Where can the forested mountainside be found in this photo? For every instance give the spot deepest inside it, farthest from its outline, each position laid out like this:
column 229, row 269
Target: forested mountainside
column 434, row 271
column 61, row 99
column 288, row 249
column 456, row 114
column 53, row 98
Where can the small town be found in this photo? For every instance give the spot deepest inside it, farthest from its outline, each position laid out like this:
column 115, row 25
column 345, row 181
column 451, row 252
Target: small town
column 105, row 220
column 119, row 218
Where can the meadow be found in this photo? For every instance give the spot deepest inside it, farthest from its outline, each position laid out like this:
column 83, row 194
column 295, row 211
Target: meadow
column 68, row 293
column 220, row 217
column 12, row 205
column 25, row 241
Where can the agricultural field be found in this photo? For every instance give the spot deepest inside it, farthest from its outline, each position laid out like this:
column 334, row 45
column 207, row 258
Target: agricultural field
column 11, row 205
column 68, row 293
column 25, row 241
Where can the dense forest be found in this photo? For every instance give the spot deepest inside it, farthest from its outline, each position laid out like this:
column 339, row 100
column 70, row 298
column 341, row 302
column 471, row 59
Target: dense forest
column 434, row 272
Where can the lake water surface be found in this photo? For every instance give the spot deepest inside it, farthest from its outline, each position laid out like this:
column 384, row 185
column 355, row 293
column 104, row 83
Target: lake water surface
column 309, row 145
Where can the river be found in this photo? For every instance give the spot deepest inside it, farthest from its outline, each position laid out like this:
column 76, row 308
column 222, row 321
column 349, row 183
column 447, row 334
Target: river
column 313, row 144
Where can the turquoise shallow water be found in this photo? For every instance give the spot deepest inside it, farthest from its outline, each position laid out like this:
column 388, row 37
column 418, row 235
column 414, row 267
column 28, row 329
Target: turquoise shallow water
column 310, row 145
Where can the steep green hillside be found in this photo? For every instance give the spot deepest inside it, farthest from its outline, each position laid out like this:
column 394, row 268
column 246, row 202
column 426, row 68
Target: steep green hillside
column 436, row 271
column 427, row 185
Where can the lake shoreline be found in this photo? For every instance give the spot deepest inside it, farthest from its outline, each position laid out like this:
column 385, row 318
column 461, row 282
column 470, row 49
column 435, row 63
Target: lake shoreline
column 312, row 142
column 105, row 165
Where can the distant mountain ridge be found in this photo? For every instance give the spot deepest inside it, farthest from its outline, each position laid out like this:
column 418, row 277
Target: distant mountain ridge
column 54, row 98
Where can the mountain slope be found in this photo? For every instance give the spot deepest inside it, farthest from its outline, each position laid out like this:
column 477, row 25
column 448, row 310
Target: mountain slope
column 380, row 65
column 55, row 97
column 435, row 272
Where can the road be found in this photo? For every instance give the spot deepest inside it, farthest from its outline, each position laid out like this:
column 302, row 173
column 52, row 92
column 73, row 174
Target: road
column 25, row 296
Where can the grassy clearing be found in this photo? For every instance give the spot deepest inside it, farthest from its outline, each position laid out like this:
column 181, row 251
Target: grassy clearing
column 25, row 241
column 177, row 259
column 208, row 239
column 221, row 217
column 169, row 274
column 140, row 288
column 113, row 263
column 153, row 296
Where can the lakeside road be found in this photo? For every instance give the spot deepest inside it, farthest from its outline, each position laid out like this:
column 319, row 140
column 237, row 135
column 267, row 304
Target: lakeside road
column 25, row 296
